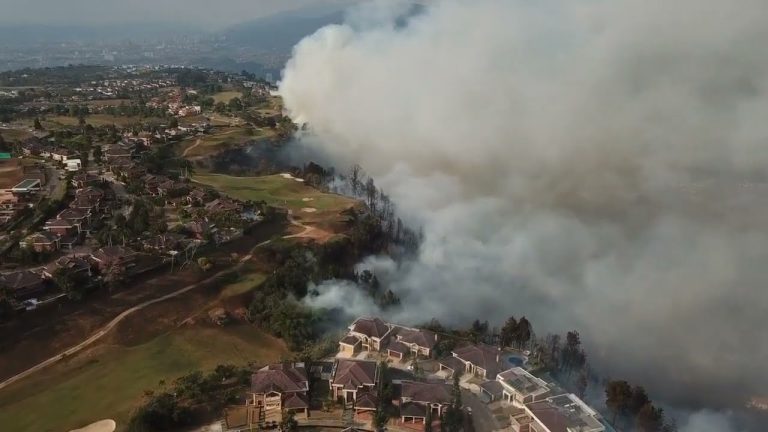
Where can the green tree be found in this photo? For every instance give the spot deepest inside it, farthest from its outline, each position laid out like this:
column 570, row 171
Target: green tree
column 37, row 124
column 235, row 104
column 508, row 332
column 73, row 284
column 428, row 421
column 523, row 332
column 649, row 419
column 115, row 276
column 97, row 153
column 289, row 423
column 617, row 398
column 174, row 123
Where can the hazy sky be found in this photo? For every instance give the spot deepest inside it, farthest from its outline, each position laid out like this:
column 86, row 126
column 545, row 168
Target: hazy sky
column 205, row 13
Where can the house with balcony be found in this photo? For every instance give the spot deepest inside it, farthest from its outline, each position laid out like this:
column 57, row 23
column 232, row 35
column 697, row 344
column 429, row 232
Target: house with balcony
column 367, row 334
column 352, row 380
column 420, row 400
column 280, row 387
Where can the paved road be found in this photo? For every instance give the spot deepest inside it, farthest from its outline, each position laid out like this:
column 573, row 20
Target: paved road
column 104, row 330
column 482, row 418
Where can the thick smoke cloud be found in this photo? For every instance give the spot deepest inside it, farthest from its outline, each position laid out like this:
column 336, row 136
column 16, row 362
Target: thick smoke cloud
column 591, row 165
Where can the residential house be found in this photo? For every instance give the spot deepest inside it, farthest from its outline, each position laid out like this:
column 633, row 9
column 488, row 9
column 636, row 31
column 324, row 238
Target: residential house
column 223, row 205
column 22, row 285
column 118, row 151
column 72, row 263
column 352, row 378
column 9, row 208
column 60, row 154
column 280, row 387
column 195, row 197
column 109, row 256
column 198, row 228
column 90, row 192
column 419, row 398
column 163, row 242
column 166, row 187
column 85, row 203
column 61, row 227
column 373, row 334
column 43, row 242
column 563, row 413
column 80, row 181
column 480, row 360
column 77, row 217
column 519, row 387
column 420, row 342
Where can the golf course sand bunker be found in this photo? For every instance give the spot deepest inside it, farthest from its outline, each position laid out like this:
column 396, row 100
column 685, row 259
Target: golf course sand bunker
column 290, row 176
column 307, row 199
column 309, row 209
column 99, row 426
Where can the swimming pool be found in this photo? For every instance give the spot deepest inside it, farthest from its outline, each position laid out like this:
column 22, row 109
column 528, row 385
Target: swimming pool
column 516, row 361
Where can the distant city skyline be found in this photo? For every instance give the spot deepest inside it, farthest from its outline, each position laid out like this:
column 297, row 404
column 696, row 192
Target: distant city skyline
column 206, row 14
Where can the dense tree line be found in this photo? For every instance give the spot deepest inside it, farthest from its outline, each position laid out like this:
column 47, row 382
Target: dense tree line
column 633, row 410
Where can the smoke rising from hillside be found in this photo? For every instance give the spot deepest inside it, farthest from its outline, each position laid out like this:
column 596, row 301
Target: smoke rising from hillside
column 591, row 165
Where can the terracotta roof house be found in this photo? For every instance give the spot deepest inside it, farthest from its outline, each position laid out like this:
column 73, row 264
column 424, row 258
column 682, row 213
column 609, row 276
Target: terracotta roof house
column 90, row 192
column 113, row 255
column 480, row 360
column 280, row 387
column 117, row 151
column 74, row 264
column 85, row 179
column 23, row 284
column 77, row 217
column 420, row 342
column 195, row 197
column 351, row 377
column 163, row 242
column 519, row 387
column 564, row 413
column 223, row 204
column 419, row 398
column 60, row 227
column 43, row 241
column 373, row 334
column 84, row 203
column 397, row 349
column 60, row 154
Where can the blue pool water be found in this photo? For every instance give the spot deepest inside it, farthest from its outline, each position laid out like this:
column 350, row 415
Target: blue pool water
column 516, row 361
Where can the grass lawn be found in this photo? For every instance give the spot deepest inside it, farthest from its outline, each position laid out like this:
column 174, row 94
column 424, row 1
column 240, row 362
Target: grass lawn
column 109, row 381
column 226, row 96
column 218, row 141
column 275, row 190
column 15, row 134
column 245, row 284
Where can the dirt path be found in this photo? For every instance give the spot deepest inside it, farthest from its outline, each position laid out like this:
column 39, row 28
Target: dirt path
column 186, row 150
column 115, row 321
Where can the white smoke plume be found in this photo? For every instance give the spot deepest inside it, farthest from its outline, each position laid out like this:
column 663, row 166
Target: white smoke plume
column 592, row 165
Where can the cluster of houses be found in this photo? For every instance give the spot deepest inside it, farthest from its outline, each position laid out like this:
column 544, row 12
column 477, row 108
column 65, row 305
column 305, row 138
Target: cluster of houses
column 352, row 379
column 70, row 226
column 534, row 405
column 112, row 87
column 31, row 285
